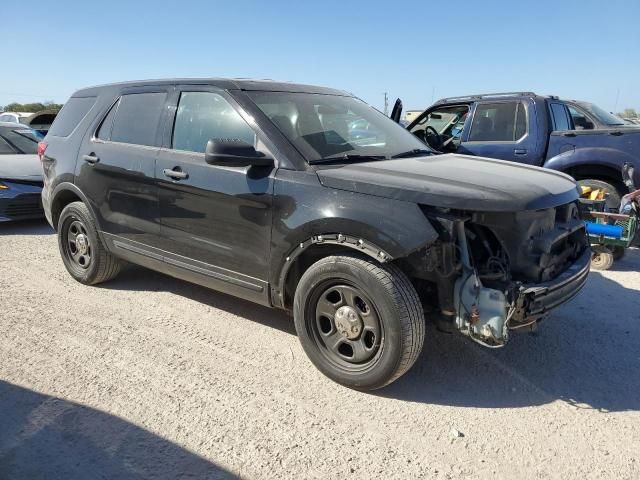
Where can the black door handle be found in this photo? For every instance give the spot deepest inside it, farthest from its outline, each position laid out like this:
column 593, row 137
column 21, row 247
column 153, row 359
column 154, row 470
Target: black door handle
column 175, row 174
column 616, row 133
column 91, row 158
column 569, row 134
column 520, row 151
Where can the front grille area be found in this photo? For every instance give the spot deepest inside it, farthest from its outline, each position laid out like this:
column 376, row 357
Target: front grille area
column 23, row 206
column 540, row 244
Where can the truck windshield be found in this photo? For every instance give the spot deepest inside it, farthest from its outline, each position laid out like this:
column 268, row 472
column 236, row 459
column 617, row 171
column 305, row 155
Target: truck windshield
column 602, row 115
column 336, row 128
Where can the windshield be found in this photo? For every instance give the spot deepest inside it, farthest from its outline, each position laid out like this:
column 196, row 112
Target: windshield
column 19, row 140
column 602, row 115
column 325, row 127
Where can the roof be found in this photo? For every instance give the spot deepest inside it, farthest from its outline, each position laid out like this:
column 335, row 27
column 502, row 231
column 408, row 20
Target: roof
column 499, row 95
column 224, row 83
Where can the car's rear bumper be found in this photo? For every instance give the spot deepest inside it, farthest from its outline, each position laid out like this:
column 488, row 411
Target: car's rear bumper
column 535, row 301
column 20, row 202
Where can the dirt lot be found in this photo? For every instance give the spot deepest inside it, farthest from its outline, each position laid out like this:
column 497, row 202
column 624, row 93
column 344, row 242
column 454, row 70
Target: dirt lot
column 151, row 377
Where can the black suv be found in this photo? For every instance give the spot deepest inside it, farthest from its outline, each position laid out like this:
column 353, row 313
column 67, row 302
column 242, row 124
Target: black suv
column 307, row 199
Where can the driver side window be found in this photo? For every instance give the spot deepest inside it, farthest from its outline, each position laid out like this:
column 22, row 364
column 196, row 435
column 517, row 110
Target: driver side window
column 580, row 119
column 442, row 127
column 202, row 116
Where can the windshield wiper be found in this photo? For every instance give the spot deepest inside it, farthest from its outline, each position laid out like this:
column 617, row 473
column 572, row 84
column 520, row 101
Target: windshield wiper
column 348, row 158
column 416, row 152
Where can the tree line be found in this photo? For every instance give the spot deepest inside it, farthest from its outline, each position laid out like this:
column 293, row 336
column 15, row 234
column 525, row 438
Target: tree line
column 628, row 113
column 30, row 107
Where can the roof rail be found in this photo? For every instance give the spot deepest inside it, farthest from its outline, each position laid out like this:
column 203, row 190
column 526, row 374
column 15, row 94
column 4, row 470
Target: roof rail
column 486, row 95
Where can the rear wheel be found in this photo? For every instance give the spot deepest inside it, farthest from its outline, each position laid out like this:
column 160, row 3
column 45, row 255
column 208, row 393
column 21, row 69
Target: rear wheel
column 360, row 323
column 83, row 254
column 615, row 191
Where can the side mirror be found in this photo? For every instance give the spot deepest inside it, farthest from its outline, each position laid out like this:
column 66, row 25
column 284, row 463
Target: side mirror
column 231, row 152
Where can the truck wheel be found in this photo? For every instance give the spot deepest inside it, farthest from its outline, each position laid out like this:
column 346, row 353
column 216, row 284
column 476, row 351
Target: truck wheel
column 83, row 254
column 616, row 192
column 601, row 258
column 361, row 323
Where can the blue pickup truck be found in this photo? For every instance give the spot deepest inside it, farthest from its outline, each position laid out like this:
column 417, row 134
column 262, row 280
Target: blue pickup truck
column 573, row 137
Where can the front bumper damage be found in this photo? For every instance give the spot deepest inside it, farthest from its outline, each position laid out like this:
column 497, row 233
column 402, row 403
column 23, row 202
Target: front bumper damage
column 487, row 315
column 535, row 301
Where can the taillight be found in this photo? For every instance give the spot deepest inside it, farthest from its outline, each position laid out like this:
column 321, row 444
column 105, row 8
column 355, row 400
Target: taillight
column 42, row 147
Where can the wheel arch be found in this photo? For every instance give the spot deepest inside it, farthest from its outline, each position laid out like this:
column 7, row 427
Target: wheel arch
column 314, row 248
column 598, row 163
column 64, row 194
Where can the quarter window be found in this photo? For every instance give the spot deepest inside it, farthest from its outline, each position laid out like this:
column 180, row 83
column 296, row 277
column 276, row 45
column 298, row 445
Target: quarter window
column 71, row 115
column 202, row 116
column 137, row 118
column 499, row 122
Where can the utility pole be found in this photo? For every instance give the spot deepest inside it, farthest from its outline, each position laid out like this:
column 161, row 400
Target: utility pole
column 615, row 109
column 386, row 104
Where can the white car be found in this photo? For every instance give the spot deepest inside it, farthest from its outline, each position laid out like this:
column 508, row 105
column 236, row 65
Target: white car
column 15, row 117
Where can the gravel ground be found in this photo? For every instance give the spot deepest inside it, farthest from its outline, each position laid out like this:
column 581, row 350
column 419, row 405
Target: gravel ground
column 151, row 377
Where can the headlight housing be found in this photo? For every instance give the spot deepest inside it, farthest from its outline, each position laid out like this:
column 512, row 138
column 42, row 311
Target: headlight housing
column 3, row 186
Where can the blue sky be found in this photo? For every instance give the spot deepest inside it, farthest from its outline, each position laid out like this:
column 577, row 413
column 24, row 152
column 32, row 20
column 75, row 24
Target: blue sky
column 585, row 49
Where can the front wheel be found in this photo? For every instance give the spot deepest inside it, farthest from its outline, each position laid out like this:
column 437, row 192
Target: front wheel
column 361, row 323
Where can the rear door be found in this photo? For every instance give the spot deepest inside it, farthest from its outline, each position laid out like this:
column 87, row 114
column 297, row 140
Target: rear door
column 216, row 221
column 501, row 129
column 116, row 165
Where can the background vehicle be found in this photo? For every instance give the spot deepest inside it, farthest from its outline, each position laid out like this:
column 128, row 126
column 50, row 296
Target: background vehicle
column 15, row 117
column 307, row 199
column 576, row 138
column 20, row 173
column 40, row 121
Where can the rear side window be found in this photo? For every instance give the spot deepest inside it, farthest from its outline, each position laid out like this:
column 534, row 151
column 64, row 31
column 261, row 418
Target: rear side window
column 71, row 115
column 560, row 118
column 137, row 118
column 499, row 122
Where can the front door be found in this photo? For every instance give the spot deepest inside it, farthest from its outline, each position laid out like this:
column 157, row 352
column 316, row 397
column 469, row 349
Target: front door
column 216, row 221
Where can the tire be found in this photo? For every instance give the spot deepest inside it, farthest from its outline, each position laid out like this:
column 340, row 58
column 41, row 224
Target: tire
column 616, row 191
column 83, row 253
column 618, row 252
column 383, row 337
column 601, row 258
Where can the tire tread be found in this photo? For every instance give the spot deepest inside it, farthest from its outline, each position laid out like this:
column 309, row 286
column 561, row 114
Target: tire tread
column 406, row 300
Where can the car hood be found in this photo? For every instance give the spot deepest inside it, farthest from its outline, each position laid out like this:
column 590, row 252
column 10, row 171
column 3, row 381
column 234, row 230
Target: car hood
column 456, row 181
column 20, row 167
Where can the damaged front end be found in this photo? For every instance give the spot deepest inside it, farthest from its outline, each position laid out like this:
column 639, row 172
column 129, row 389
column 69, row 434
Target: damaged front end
column 490, row 273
